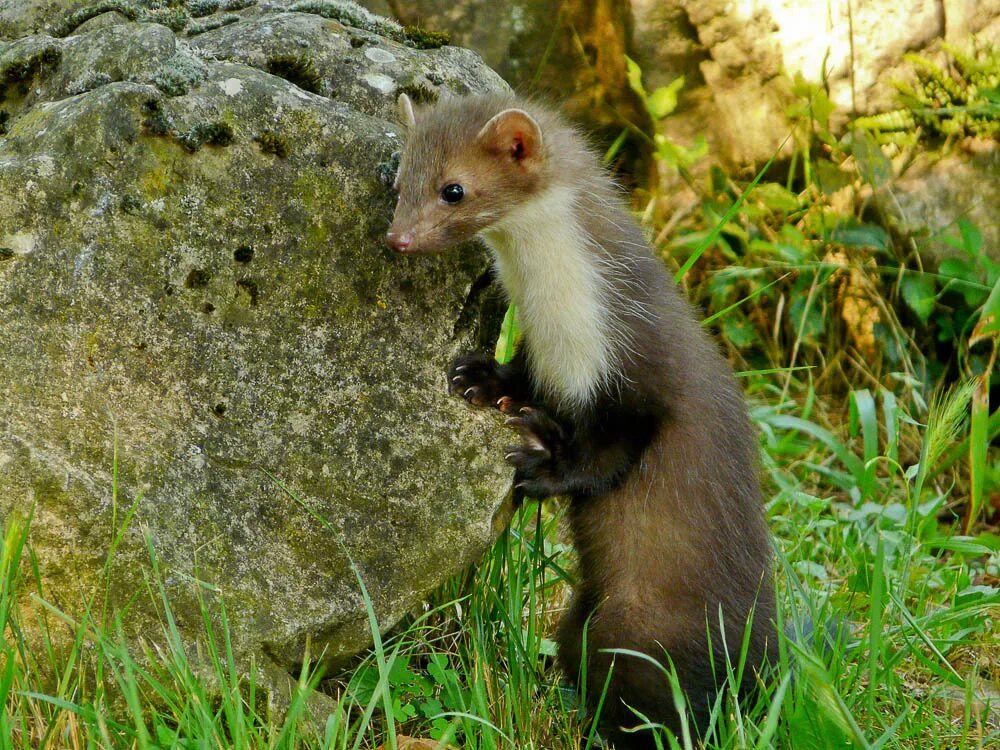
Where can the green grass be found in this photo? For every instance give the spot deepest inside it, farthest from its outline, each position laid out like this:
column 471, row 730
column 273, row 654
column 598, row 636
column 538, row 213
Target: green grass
column 861, row 533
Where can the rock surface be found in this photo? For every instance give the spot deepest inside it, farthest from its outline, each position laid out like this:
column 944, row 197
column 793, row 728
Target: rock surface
column 192, row 274
column 935, row 191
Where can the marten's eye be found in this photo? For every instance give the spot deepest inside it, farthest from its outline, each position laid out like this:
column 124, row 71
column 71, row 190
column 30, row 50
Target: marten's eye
column 452, row 193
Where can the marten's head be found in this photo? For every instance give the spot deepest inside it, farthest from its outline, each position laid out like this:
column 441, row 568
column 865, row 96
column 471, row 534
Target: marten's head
column 467, row 163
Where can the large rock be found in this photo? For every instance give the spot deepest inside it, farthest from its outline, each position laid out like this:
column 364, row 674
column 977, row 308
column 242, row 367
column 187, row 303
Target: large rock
column 192, row 271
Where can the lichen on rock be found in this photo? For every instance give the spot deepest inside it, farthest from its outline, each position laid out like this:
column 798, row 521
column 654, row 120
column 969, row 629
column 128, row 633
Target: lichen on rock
column 199, row 8
column 178, row 74
column 72, row 21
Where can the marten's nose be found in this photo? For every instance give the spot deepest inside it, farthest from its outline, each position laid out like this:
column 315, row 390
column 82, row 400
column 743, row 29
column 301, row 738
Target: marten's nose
column 399, row 242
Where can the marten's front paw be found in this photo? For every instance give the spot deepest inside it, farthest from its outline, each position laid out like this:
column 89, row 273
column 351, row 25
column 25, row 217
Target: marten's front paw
column 537, row 460
column 476, row 378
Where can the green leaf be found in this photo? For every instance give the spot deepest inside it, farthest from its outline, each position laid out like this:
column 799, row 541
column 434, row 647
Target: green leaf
column 634, row 74
column 830, row 177
column 861, row 235
column 792, row 253
column 989, row 318
column 811, row 569
column 362, row 686
column 963, row 545
column 972, row 238
column 777, row 198
column 430, row 708
column 864, row 418
column 822, row 107
column 438, row 728
column 738, row 331
column 509, row 333
column 890, row 416
column 919, row 294
column 860, row 581
column 399, row 671
column 614, row 148
column 713, row 235
column 957, row 268
column 663, row 100
column 972, row 594
column 874, row 166
column 851, row 462
column 718, row 178
column 676, row 155
column 807, row 319
column 978, row 450
column 964, row 270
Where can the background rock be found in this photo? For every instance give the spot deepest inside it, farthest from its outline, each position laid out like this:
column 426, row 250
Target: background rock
column 21, row 17
column 191, row 269
column 935, row 191
column 746, row 53
column 738, row 59
column 571, row 52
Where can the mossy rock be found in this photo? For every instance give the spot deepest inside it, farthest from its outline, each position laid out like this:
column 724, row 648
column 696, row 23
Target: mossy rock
column 196, row 279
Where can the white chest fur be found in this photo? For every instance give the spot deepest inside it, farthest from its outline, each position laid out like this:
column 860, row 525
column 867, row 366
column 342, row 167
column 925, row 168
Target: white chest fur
column 553, row 277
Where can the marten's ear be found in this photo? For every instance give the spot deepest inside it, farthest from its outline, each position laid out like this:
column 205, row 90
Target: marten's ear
column 404, row 111
column 513, row 132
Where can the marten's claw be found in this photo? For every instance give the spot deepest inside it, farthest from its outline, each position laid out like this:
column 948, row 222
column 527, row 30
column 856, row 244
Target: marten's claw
column 538, row 489
column 528, row 461
column 536, row 461
column 475, row 379
column 528, row 451
column 481, row 381
column 530, row 440
column 536, row 427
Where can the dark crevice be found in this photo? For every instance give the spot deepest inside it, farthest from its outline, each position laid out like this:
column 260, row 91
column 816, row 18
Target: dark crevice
column 482, row 312
column 250, row 287
column 298, row 70
column 197, row 278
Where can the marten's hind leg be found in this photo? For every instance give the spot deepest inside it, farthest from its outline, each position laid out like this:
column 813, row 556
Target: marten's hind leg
column 636, row 687
column 570, row 639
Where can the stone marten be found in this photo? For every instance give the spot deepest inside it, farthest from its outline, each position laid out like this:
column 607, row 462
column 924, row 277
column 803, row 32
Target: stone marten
column 623, row 404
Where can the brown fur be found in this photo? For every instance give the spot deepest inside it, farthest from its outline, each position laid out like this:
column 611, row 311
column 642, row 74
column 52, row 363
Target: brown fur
column 659, row 461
